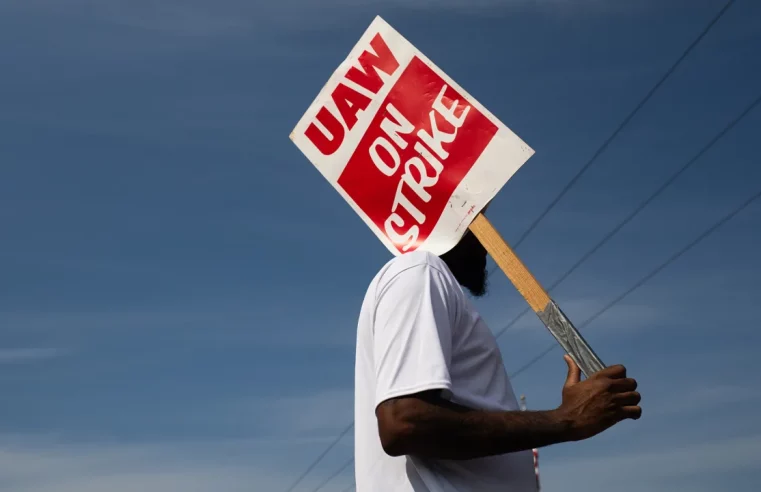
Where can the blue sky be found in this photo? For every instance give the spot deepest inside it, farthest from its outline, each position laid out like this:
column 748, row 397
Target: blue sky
column 179, row 286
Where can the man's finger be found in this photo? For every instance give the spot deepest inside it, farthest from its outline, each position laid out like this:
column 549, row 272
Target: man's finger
column 633, row 412
column 574, row 373
column 613, row 372
column 630, row 398
column 623, row 385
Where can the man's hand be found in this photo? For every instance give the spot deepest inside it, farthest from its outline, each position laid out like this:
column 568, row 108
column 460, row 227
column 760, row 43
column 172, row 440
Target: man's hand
column 599, row 402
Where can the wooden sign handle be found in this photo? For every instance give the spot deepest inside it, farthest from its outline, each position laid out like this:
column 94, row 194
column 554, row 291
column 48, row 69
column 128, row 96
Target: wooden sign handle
column 548, row 311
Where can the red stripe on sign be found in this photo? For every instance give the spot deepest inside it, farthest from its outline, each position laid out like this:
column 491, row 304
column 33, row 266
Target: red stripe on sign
column 420, row 145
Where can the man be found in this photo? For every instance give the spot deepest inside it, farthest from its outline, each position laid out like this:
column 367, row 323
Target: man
column 434, row 409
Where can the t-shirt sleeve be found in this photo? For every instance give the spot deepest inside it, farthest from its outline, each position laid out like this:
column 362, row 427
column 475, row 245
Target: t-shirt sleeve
column 412, row 339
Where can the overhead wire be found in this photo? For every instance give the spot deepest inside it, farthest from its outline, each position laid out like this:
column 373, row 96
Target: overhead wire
column 320, row 457
column 669, row 181
column 624, row 123
column 649, row 276
column 334, row 475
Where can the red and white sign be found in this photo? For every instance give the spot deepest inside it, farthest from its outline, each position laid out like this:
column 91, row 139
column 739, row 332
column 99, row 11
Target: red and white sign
column 415, row 155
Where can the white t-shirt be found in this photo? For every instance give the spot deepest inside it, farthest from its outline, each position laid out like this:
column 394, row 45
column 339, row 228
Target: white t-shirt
column 418, row 331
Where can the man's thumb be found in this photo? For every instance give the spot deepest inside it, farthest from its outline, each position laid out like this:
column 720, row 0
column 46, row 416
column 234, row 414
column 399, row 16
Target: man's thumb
column 574, row 373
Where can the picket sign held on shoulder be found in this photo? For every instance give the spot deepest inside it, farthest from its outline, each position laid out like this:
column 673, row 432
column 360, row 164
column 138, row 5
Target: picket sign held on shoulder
column 418, row 158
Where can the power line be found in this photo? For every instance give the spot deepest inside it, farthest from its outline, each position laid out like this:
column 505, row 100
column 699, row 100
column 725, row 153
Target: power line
column 649, row 276
column 669, row 181
column 321, row 456
column 569, row 185
column 625, row 122
column 330, row 478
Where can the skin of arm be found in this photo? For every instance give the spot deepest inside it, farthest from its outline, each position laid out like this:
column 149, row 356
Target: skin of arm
column 429, row 426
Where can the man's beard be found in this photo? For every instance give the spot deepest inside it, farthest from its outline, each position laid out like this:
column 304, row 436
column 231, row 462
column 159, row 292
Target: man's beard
column 477, row 282
column 472, row 276
column 467, row 262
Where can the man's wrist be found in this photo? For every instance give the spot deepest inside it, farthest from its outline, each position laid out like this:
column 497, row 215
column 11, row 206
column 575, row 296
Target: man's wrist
column 564, row 424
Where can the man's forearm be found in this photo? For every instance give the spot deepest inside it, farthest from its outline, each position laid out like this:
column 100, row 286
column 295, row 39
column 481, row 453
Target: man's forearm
column 448, row 431
column 477, row 434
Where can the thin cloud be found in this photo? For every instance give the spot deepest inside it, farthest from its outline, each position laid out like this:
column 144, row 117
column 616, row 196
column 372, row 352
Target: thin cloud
column 704, row 398
column 38, row 464
column 329, row 410
column 282, row 417
column 224, row 17
column 265, row 324
column 655, row 469
column 29, row 355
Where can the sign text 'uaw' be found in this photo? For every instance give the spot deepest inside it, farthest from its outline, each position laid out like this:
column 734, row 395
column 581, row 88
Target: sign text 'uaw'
column 414, row 154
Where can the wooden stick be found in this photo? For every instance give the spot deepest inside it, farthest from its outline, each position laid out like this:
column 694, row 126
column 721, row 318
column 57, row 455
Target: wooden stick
column 547, row 310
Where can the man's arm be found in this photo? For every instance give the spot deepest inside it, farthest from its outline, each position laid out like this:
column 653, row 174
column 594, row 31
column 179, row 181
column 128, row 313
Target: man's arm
column 426, row 425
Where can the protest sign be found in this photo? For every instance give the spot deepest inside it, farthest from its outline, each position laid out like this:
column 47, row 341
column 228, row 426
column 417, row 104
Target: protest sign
column 418, row 159
column 415, row 155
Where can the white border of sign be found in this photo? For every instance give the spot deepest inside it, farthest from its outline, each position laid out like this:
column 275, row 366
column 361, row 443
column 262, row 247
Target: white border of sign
column 504, row 155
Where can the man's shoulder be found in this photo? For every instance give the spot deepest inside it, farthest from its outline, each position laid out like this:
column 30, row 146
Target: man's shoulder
column 412, row 271
column 416, row 261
